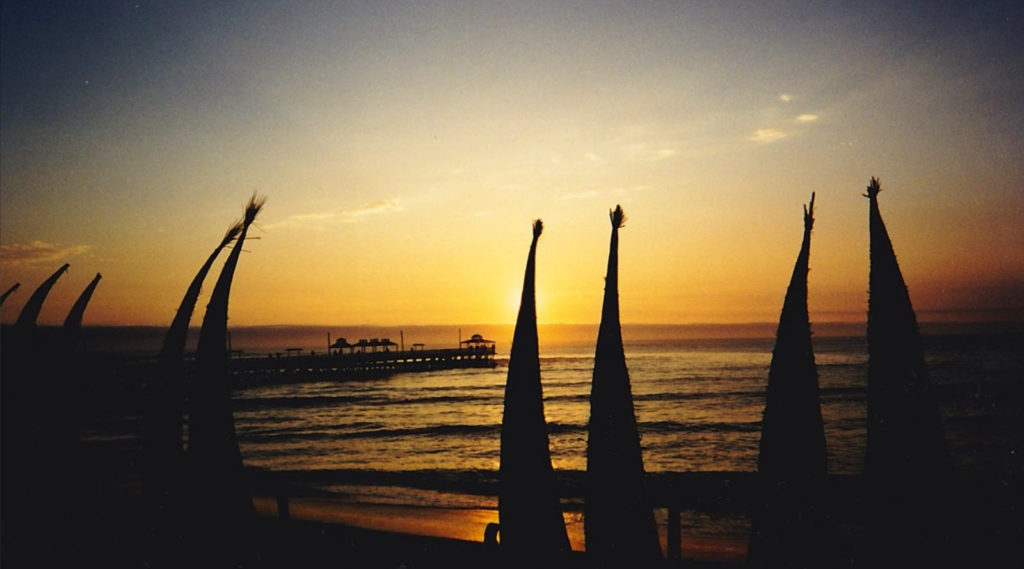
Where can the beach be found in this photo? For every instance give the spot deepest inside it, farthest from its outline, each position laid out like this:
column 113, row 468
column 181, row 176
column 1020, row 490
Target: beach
column 408, row 464
column 466, row 525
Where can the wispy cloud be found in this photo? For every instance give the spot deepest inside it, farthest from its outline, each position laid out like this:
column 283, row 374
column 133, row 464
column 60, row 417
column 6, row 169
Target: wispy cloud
column 39, row 252
column 766, row 135
column 646, row 152
column 580, row 195
column 303, row 220
column 370, row 208
column 662, row 154
column 806, row 118
column 311, row 216
column 785, row 97
column 320, row 221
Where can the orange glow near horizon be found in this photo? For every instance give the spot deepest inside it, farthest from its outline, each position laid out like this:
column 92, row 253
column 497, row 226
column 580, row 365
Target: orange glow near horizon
column 726, row 280
column 404, row 158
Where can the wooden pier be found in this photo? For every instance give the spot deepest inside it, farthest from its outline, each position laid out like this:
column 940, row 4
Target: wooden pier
column 338, row 365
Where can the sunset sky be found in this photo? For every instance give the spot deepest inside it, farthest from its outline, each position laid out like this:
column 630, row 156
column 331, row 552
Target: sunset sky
column 405, row 148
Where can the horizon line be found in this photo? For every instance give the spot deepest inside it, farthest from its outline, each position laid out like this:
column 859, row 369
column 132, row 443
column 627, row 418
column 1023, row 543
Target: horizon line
column 966, row 321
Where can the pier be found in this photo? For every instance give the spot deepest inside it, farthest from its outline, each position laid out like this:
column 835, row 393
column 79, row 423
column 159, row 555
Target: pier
column 341, row 365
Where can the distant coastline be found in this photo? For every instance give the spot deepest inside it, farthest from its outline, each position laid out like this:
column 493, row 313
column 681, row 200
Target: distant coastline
column 145, row 340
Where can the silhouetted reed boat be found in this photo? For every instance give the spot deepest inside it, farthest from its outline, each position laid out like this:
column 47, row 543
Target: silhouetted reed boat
column 788, row 525
column 29, row 363
column 8, row 292
column 529, row 508
column 44, row 508
column 25, row 325
column 907, row 461
column 163, row 451
column 220, row 497
column 73, row 322
column 618, row 521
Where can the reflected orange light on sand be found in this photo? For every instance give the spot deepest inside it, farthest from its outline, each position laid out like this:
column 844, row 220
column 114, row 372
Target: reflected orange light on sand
column 465, row 524
column 468, row 524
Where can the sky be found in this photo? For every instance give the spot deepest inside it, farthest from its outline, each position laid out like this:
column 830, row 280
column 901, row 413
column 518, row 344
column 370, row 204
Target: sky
column 405, row 148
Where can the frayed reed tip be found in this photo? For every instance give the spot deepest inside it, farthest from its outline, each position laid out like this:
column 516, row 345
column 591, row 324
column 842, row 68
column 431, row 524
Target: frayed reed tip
column 617, row 216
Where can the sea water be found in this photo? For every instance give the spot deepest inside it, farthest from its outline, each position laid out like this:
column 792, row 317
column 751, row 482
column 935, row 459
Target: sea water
column 432, row 439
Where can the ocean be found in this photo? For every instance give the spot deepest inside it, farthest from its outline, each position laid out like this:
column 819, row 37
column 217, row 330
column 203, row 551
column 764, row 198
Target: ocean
column 431, row 439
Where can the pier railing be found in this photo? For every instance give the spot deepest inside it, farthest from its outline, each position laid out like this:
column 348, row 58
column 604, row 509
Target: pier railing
column 286, row 367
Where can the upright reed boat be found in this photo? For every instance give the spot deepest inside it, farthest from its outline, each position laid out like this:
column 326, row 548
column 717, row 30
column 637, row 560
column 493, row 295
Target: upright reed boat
column 163, row 468
column 907, row 462
column 788, row 526
column 618, row 521
column 221, row 498
column 529, row 508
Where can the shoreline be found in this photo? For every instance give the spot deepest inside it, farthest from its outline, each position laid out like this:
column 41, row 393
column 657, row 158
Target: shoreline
column 465, row 524
column 145, row 340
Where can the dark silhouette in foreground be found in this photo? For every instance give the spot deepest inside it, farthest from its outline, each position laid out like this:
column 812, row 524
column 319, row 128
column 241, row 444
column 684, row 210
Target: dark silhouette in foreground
column 45, row 509
column 25, row 326
column 788, row 526
column 220, row 497
column 72, row 331
column 529, row 509
column 618, row 521
column 907, row 462
column 163, row 452
column 8, row 292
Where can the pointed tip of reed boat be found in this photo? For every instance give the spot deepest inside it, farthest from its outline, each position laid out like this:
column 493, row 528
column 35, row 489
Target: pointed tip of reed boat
column 809, row 213
column 617, row 216
column 252, row 209
column 873, row 188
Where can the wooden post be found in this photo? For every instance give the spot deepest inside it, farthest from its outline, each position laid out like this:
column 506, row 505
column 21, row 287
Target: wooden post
column 283, row 512
column 674, row 540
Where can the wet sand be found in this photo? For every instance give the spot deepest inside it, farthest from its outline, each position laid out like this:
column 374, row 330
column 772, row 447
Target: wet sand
column 465, row 525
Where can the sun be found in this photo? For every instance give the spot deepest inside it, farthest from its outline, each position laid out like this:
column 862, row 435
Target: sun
column 514, row 299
